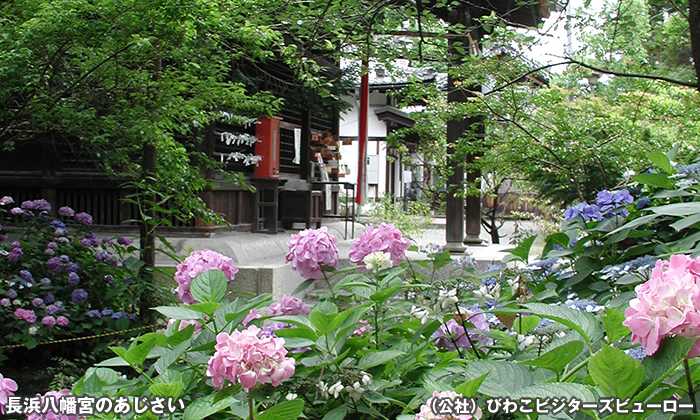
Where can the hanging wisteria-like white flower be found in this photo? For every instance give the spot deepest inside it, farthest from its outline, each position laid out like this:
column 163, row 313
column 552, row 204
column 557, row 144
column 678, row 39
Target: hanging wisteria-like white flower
column 238, row 138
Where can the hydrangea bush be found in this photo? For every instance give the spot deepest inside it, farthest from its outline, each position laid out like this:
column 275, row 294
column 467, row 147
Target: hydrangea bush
column 387, row 342
column 58, row 279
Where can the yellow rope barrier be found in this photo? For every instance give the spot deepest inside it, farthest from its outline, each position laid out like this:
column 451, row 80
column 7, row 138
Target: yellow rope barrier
column 67, row 340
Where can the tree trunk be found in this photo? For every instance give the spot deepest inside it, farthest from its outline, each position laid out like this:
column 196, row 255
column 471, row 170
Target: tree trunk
column 694, row 25
column 147, row 232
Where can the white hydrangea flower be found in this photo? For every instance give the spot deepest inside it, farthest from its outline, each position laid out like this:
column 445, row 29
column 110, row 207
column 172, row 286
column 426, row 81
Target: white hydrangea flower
column 366, row 380
column 323, row 388
column 378, row 260
column 355, row 391
column 290, row 397
column 447, row 299
column 336, row 389
column 420, row 313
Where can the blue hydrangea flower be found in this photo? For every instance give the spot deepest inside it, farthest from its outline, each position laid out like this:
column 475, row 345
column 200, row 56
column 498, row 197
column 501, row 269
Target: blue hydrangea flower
column 637, row 353
column 643, row 202
column 79, row 295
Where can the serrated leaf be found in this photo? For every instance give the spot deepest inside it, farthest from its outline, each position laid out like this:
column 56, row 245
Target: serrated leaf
column 137, row 355
column 581, row 322
column 180, row 336
column 177, row 312
column 503, row 379
column 377, row 358
column 469, row 389
column 167, row 389
column 206, row 406
column 671, row 352
column 615, row 373
column 205, row 307
column 612, row 322
column 522, row 251
column 209, row 286
column 559, row 390
column 557, row 358
column 288, row 410
column 170, row 356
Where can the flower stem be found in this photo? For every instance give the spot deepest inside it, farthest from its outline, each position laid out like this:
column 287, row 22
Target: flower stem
column 471, row 343
column 330, row 288
column 251, row 405
column 691, row 392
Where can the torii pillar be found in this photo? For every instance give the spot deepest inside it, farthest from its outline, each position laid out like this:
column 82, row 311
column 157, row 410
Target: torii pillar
column 455, row 233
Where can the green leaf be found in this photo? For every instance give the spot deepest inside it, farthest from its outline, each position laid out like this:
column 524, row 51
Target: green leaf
column 503, row 377
column 654, row 180
column 671, row 352
column 303, row 286
column 557, row 358
column 612, row 322
column 181, row 336
column 522, row 251
column 685, row 416
column 206, row 406
column 167, row 389
column 137, row 355
column 470, row 388
column 337, row 413
column 382, row 295
column 581, row 322
column 377, row 358
column 178, row 312
column 209, row 286
column 523, row 324
column 375, row 397
column 662, row 161
column 560, row 390
column 678, row 209
column 288, row 410
column 686, row 222
column 205, row 307
column 170, row 356
column 615, row 373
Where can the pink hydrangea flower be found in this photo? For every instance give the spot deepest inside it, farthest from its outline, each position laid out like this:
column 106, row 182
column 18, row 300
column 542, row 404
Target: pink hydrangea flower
column 62, row 321
column 246, row 358
column 311, row 249
column 288, row 305
column 426, row 410
column 197, row 263
column 49, row 321
column 384, row 238
column 668, row 303
column 49, row 414
column 363, row 329
column 252, row 314
column 25, row 315
column 7, row 389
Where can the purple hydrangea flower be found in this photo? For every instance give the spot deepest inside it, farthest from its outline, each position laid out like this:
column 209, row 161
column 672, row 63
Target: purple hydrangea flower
column 11, row 293
column 36, row 205
column 62, row 321
column 55, row 264
column 50, row 252
column 73, row 279
column 36, row 302
column 5, row 302
column 52, row 310
column 49, row 321
column 195, row 264
column 124, row 241
column 103, row 256
column 57, row 224
column 25, row 315
column 107, row 312
column 94, row 313
column 66, row 211
column 109, row 279
column 288, row 305
column 48, row 298
column 107, row 241
column 73, row 267
column 26, row 275
column 52, row 245
column 83, row 218
column 6, row 200
column 15, row 254
column 643, row 202
column 16, row 211
column 79, row 295
column 64, row 258
column 452, row 333
column 4, row 238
